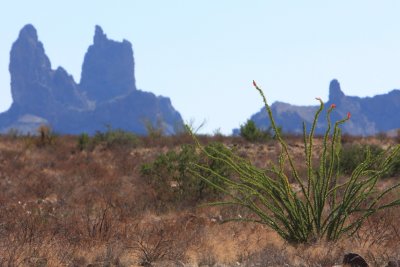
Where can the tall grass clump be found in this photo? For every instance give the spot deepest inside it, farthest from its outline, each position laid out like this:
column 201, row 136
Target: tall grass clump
column 46, row 136
column 324, row 207
column 83, row 141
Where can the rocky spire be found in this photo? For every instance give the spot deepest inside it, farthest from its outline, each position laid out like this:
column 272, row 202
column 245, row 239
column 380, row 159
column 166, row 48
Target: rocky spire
column 34, row 85
column 28, row 32
column 108, row 69
column 29, row 66
column 43, row 95
column 99, row 35
column 335, row 93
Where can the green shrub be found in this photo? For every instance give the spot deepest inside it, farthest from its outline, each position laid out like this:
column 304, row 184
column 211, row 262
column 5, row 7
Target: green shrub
column 115, row 138
column 394, row 169
column 109, row 139
column 83, row 141
column 352, row 155
column 324, row 208
column 251, row 133
column 169, row 174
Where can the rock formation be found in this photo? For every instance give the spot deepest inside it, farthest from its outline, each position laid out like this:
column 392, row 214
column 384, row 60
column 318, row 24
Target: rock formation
column 108, row 69
column 34, row 85
column 354, row 260
column 106, row 95
column 369, row 115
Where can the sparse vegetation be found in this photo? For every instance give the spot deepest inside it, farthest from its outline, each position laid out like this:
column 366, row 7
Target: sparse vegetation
column 154, row 130
column 63, row 207
column 13, row 133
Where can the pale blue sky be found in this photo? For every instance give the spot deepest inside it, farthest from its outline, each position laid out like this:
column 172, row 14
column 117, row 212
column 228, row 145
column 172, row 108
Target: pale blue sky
column 204, row 54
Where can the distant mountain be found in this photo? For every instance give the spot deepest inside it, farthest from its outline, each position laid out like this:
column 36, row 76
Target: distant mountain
column 106, row 95
column 369, row 115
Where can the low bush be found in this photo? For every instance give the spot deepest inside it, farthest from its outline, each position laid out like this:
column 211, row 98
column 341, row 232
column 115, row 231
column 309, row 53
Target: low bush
column 83, row 141
column 109, row 139
column 252, row 133
column 117, row 137
column 352, row 155
column 169, row 174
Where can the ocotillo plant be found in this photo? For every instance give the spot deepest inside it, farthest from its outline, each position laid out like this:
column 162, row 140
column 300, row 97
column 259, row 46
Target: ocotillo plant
column 324, row 208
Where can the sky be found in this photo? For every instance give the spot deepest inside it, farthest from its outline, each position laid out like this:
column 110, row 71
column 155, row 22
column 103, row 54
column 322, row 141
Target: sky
column 205, row 54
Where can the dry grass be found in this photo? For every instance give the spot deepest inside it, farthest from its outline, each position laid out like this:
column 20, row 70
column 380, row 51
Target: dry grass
column 63, row 207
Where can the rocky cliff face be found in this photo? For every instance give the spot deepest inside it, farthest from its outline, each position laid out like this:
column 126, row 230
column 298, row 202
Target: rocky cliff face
column 108, row 69
column 34, row 85
column 369, row 115
column 106, row 95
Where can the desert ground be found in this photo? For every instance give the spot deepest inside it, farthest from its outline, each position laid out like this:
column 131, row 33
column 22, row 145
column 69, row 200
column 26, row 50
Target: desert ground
column 68, row 203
